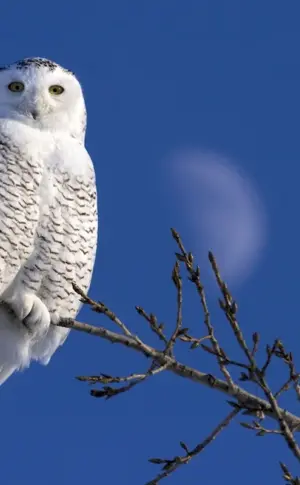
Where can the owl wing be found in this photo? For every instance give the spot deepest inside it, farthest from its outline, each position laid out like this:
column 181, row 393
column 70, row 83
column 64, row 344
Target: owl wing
column 20, row 178
column 72, row 228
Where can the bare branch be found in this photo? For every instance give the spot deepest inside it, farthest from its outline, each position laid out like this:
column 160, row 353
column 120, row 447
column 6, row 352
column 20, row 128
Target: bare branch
column 164, row 359
column 245, row 399
column 133, row 380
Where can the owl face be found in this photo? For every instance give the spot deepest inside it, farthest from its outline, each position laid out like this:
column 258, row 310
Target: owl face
column 43, row 95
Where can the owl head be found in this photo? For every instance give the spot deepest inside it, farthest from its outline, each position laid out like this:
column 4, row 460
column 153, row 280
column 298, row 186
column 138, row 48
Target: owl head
column 43, row 95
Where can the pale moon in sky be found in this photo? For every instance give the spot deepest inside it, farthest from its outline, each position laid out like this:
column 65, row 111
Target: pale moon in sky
column 223, row 211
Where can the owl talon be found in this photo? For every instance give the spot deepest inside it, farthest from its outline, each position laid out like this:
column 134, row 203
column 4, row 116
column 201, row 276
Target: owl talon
column 32, row 312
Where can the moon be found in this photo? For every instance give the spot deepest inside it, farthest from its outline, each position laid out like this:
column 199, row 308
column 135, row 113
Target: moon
column 223, row 211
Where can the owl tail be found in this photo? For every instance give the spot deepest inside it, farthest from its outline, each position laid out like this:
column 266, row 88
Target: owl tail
column 14, row 345
column 5, row 372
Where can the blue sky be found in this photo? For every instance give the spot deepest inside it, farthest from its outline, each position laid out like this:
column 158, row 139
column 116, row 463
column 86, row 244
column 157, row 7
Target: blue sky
column 159, row 77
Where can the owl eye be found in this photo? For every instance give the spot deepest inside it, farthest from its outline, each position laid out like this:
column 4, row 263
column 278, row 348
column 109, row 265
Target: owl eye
column 56, row 89
column 16, row 87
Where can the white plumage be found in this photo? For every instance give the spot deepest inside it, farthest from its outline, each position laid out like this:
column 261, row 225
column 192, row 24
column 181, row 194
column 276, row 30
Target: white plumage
column 48, row 209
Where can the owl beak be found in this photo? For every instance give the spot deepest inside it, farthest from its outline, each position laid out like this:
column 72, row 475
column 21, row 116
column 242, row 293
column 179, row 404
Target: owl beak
column 34, row 114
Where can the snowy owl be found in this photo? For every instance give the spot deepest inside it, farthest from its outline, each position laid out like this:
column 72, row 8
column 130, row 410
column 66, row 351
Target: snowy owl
column 48, row 209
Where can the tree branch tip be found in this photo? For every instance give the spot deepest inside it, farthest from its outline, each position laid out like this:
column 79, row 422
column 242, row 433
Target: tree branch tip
column 211, row 257
column 175, row 234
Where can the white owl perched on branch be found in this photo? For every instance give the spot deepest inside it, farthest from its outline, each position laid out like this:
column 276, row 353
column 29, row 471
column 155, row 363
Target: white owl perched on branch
column 48, row 209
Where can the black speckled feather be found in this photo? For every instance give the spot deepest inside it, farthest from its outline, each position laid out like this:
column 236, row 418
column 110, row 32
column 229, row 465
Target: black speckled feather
column 36, row 62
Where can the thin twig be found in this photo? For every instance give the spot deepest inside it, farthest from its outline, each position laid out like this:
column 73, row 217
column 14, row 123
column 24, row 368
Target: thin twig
column 106, row 379
column 223, row 356
column 255, row 340
column 187, row 259
column 270, row 353
column 178, row 284
column 152, row 320
column 133, row 379
column 99, row 307
column 158, row 330
column 169, row 466
column 195, row 342
column 230, row 308
column 285, row 387
column 281, row 418
column 288, row 476
column 260, row 430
